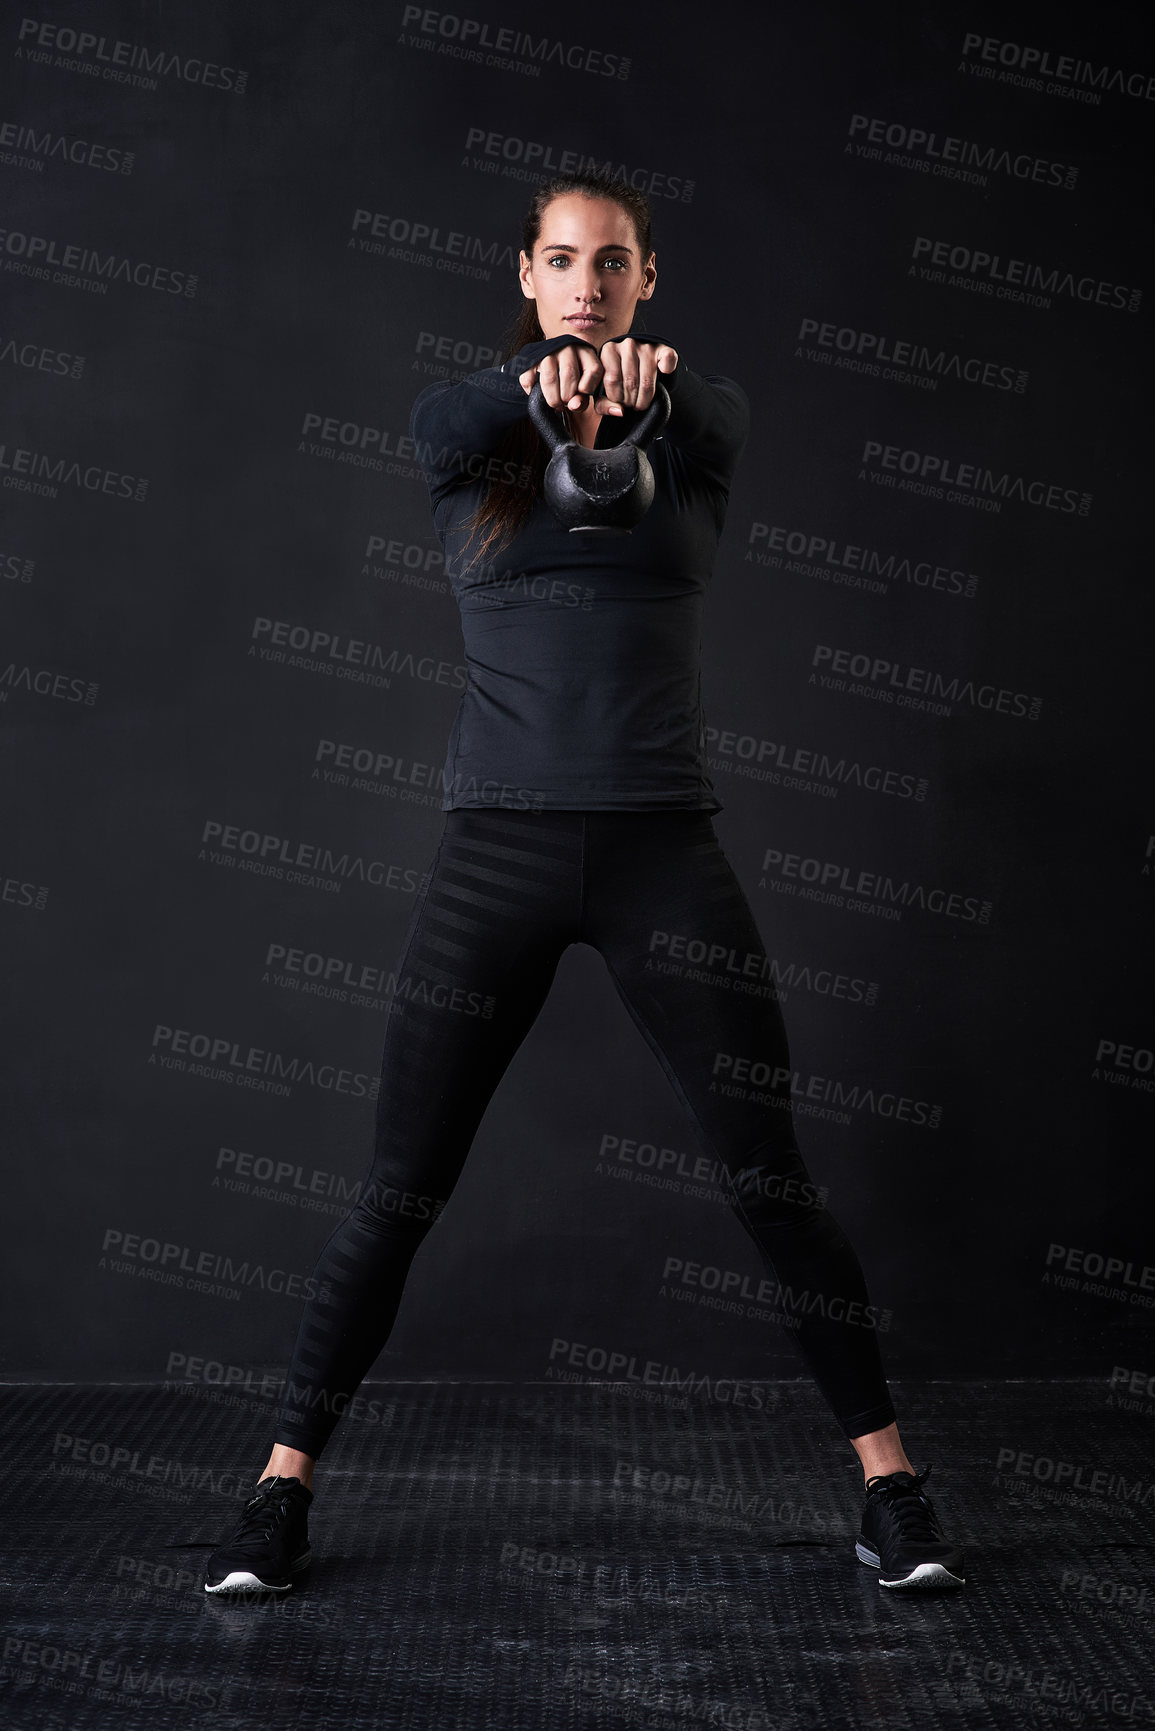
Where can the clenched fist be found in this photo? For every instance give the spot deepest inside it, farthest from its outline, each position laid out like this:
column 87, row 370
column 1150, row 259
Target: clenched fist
column 626, row 371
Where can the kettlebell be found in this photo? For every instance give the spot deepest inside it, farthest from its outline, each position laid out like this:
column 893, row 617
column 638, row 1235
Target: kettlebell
column 599, row 492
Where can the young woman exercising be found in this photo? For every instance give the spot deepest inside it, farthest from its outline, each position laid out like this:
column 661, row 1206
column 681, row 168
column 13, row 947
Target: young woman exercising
column 578, row 810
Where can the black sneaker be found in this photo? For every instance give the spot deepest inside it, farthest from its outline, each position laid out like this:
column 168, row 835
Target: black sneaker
column 901, row 1536
column 269, row 1544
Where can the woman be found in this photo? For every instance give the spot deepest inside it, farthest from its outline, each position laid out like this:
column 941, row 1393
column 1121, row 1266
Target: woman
column 578, row 809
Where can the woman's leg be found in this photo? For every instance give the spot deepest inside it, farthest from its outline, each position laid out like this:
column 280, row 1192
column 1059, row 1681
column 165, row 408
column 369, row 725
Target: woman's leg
column 501, row 903
column 657, row 876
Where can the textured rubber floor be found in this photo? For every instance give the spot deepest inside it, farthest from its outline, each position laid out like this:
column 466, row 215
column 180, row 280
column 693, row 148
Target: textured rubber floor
column 553, row 1556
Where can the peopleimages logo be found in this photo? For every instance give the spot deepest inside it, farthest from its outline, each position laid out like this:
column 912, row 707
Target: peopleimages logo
column 118, row 61
column 84, row 267
column 312, row 864
column 709, row 960
column 742, row 1294
column 1020, row 64
column 38, row 357
column 894, row 358
column 465, row 38
column 171, row 1262
column 335, row 976
column 43, row 146
column 44, row 473
column 352, row 658
column 625, row 1367
column 766, row 1082
column 46, row 682
column 371, row 769
column 955, row 158
column 24, row 895
column 529, row 159
column 1125, row 1065
column 808, row 769
column 1076, row 1260
column 17, row 567
column 1099, row 1481
column 938, row 693
column 927, row 473
column 863, row 891
column 1038, row 282
column 463, row 352
column 833, row 559
column 225, row 1060
column 419, row 243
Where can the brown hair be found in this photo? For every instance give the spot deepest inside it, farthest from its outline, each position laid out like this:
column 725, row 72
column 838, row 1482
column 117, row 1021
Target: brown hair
column 507, row 504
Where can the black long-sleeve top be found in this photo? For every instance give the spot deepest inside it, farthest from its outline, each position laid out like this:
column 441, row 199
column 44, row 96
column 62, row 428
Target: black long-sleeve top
column 582, row 653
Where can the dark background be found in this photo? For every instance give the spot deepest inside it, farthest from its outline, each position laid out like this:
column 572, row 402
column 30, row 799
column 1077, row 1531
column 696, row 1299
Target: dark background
column 116, row 921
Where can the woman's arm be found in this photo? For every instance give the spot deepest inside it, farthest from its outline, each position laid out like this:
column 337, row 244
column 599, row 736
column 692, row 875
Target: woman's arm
column 709, row 414
column 453, row 425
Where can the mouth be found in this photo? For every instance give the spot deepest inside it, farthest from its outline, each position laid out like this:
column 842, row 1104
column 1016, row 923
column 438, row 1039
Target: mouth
column 585, row 319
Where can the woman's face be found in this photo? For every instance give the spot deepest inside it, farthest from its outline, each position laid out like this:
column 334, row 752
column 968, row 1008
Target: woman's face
column 586, row 274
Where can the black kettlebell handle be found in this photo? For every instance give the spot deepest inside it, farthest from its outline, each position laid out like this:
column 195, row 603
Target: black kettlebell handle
column 552, row 428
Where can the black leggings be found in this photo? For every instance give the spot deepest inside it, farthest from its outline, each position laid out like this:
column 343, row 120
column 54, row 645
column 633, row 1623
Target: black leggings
column 507, row 892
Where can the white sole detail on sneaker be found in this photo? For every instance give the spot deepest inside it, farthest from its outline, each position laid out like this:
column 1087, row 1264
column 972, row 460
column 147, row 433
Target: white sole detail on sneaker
column 922, row 1575
column 242, row 1581
column 927, row 1575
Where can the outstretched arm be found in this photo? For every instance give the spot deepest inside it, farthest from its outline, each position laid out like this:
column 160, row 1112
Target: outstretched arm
column 709, row 414
column 453, row 425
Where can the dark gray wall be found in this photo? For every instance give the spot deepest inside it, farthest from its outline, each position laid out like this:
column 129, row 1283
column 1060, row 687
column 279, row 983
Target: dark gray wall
column 240, row 316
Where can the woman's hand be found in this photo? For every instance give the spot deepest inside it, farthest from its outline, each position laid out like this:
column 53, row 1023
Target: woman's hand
column 568, row 377
column 630, row 372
